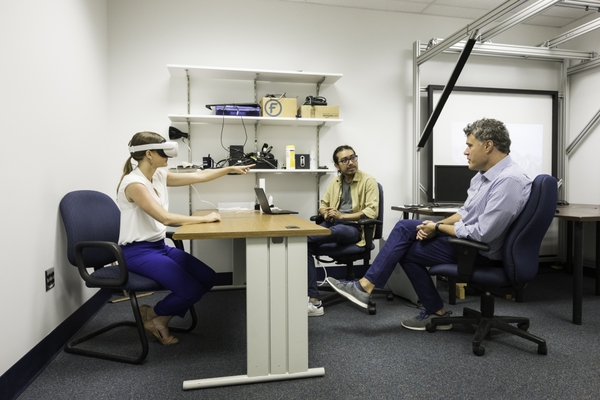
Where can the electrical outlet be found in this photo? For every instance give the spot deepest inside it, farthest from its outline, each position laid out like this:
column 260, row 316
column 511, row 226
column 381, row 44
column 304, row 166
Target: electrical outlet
column 49, row 273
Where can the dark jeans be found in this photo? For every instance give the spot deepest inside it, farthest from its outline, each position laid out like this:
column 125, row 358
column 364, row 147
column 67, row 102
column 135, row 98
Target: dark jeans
column 414, row 256
column 340, row 233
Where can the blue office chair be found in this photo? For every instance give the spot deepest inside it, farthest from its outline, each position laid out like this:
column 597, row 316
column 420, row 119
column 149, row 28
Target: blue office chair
column 91, row 222
column 518, row 267
column 348, row 254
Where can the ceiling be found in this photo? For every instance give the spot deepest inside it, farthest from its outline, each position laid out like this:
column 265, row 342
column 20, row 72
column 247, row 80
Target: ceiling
column 556, row 16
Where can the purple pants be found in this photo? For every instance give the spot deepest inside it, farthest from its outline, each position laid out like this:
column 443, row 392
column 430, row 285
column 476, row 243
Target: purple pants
column 414, row 256
column 186, row 277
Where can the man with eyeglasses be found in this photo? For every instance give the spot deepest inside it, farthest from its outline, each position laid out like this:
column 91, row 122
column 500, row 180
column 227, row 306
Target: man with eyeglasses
column 496, row 196
column 352, row 195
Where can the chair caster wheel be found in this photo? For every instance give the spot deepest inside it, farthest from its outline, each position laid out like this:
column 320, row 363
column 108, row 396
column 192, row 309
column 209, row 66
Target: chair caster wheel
column 390, row 297
column 372, row 308
column 431, row 328
column 478, row 351
column 543, row 349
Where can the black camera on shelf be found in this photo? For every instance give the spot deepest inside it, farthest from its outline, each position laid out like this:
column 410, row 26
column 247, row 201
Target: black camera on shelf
column 315, row 101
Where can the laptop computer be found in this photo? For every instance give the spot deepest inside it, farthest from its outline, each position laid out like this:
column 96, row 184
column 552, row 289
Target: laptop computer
column 264, row 203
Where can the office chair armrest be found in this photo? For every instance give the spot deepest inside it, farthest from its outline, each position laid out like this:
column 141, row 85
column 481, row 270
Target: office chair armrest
column 116, row 251
column 178, row 243
column 368, row 226
column 317, row 219
column 466, row 252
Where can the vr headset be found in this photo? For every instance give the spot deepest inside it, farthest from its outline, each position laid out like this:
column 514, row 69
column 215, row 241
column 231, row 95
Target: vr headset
column 165, row 149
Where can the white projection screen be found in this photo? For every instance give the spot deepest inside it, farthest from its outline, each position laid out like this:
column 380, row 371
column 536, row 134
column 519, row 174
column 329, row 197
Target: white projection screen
column 529, row 115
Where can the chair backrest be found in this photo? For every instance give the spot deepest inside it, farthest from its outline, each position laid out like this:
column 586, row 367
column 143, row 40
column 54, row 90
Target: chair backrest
column 379, row 228
column 525, row 235
column 90, row 216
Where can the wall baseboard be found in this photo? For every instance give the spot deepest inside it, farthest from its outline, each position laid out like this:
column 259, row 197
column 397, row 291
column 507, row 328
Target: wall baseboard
column 15, row 380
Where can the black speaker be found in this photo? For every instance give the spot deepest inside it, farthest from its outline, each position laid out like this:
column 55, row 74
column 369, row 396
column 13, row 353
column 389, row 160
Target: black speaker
column 235, row 153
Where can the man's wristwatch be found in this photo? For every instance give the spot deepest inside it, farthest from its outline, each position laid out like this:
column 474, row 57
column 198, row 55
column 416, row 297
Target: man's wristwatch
column 437, row 226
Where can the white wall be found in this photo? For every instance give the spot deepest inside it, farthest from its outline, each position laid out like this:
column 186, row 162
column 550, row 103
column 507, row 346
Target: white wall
column 54, row 129
column 373, row 50
column 582, row 178
column 84, row 75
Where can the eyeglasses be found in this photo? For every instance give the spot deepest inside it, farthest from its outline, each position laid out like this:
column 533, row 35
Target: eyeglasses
column 346, row 160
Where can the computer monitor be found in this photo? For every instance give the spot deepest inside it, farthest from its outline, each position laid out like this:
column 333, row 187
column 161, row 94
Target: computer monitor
column 451, row 183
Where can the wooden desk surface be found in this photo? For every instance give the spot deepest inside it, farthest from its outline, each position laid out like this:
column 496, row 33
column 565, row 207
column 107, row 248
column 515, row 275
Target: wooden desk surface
column 578, row 212
column 421, row 211
column 249, row 224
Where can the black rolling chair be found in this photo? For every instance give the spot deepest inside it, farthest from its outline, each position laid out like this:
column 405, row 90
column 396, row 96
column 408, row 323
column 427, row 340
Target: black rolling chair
column 91, row 222
column 519, row 266
column 348, row 254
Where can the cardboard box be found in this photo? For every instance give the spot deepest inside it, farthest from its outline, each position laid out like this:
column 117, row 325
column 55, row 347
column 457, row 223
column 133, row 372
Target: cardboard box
column 319, row 111
column 306, row 112
column 279, row 108
column 327, row 111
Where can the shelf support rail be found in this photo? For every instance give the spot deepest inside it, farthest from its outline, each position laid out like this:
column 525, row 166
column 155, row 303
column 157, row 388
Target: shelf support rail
column 189, row 129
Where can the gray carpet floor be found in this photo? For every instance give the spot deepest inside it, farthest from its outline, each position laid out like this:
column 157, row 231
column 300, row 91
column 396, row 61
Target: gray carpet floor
column 364, row 356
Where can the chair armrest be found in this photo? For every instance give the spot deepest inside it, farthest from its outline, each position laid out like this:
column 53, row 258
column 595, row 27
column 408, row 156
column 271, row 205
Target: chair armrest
column 368, row 227
column 178, row 243
column 466, row 252
column 317, row 219
column 116, row 251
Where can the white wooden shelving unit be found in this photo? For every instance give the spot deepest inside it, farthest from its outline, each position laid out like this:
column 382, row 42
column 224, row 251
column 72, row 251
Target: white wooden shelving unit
column 190, row 73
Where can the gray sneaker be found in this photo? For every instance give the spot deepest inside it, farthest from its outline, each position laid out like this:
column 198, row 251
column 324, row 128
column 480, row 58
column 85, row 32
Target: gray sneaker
column 351, row 290
column 419, row 323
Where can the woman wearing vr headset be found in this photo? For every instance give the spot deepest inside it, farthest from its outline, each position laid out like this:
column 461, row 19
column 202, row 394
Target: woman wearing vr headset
column 143, row 199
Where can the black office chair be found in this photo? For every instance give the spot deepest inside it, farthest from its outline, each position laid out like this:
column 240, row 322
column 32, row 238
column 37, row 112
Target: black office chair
column 519, row 266
column 91, row 222
column 348, row 254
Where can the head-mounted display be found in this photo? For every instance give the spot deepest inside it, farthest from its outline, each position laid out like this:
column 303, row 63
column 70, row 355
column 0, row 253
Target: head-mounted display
column 165, row 149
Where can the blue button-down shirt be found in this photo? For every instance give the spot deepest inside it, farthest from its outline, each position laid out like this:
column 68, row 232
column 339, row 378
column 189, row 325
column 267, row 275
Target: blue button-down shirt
column 495, row 199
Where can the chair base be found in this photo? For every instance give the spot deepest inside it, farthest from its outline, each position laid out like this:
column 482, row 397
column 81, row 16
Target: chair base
column 486, row 321
column 70, row 347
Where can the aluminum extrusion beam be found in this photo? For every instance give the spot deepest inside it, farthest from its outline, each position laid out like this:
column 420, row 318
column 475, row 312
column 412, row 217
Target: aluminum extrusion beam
column 583, row 134
column 579, row 4
column 514, row 51
column 488, row 18
column 519, row 17
column 573, row 33
column 583, row 66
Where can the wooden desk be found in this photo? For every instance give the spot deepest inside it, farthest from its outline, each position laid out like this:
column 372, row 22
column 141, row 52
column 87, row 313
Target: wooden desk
column 420, row 211
column 576, row 215
column 276, row 293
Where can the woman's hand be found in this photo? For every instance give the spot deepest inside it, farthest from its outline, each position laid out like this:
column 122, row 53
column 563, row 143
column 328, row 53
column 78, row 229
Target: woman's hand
column 241, row 169
column 212, row 217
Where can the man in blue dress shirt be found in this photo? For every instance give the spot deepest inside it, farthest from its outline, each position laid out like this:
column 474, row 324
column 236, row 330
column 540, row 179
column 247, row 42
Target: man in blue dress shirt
column 496, row 196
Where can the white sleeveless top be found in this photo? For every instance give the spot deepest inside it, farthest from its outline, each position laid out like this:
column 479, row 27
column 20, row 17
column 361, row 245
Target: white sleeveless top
column 136, row 224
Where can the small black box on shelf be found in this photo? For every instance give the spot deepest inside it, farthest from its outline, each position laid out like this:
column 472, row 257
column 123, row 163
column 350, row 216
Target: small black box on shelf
column 236, row 153
column 302, row 161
